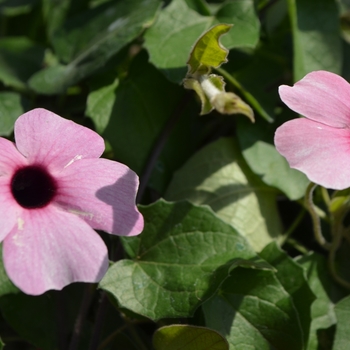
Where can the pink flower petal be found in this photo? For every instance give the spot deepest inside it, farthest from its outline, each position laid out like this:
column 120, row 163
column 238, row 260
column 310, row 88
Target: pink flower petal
column 102, row 192
column 52, row 249
column 45, row 138
column 320, row 151
column 9, row 209
column 321, row 96
column 10, row 160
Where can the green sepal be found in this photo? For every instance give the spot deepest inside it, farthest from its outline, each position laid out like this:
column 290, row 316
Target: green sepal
column 194, row 84
column 211, row 91
column 207, row 52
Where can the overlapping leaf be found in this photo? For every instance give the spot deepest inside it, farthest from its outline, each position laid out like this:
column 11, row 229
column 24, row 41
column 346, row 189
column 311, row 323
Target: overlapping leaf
column 265, row 309
column 183, row 255
column 141, row 107
column 14, row 51
column 170, row 39
column 261, row 155
column 342, row 336
column 327, row 293
column 88, row 41
column 217, row 177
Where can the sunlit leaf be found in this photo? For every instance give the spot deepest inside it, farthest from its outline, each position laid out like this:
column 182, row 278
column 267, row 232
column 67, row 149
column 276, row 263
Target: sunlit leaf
column 207, row 52
column 187, row 337
column 261, row 155
column 342, row 335
column 263, row 309
column 170, row 39
column 184, row 253
column 216, row 176
column 99, row 105
column 327, row 293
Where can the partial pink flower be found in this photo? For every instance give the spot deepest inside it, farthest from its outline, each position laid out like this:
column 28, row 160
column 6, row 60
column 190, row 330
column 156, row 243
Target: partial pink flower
column 54, row 190
column 318, row 145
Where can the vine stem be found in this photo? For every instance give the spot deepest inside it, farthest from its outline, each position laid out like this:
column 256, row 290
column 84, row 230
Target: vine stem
column 115, row 255
column 294, row 225
column 112, row 336
column 101, row 313
column 316, row 222
column 160, row 143
column 84, row 307
column 338, row 236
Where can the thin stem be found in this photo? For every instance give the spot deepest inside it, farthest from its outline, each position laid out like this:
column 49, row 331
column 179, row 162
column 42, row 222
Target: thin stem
column 249, row 97
column 297, row 245
column 325, row 196
column 101, row 313
column 61, row 321
column 316, row 222
column 135, row 336
column 111, row 337
column 338, row 236
column 84, row 307
column 115, row 255
column 160, row 143
column 294, row 225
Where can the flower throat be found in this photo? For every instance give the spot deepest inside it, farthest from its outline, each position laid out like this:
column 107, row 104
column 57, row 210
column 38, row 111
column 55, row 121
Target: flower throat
column 33, row 187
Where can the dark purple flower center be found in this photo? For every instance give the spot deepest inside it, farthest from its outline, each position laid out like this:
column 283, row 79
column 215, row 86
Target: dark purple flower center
column 33, row 187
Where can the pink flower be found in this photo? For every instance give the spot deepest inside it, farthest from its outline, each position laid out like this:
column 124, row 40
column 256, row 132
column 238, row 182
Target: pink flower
column 54, row 190
column 318, row 145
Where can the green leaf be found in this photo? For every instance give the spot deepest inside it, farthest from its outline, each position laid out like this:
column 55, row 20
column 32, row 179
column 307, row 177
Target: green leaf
column 199, row 6
column 316, row 36
column 99, row 105
column 179, row 260
column 207, row 52
column 261, row 155
column 11, row 107
column 253, row 310
column 327, row 292
column 246, row 24
column 56, row 12
column 262, row 309
column 342, row 335
column 16, row 7
column 292, row 277
column 13, row 52
column 88, row 41
column 186, row 337
column 218, row 177
column 143, row 104
column 170, row 39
